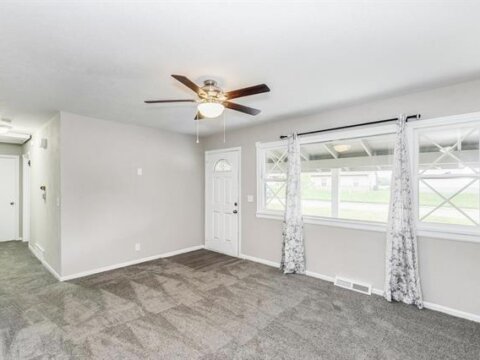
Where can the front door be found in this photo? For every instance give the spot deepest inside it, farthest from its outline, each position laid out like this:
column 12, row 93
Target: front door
column 8, row 197
column 222, row 201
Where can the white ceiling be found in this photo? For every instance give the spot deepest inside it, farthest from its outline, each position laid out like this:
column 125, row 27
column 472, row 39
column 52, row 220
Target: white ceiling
column 103, row 59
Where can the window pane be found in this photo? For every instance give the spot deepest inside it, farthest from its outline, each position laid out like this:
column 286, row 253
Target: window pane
column 275, row 177
column 275, row 195
column 222, row 165
column 316, row 180
column 449, row 201
column 449, row 167
column 365, row 195
column 348, row 178
column 317, row 193
column 276, row 164
column 449, row 151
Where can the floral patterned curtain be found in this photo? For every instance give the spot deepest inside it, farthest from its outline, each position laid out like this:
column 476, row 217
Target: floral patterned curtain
column 402, row 281
column 293, row 252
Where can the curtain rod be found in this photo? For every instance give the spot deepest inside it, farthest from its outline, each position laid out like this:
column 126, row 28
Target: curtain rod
column 416, row 116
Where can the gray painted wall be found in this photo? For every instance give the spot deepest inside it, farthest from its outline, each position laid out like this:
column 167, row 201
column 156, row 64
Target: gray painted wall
column 14, row 149
column 107, row 207
column 45, row 170
column 449, row 269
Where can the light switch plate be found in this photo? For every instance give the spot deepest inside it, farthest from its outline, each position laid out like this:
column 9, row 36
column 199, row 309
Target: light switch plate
column 139, row 171
column 250, row 198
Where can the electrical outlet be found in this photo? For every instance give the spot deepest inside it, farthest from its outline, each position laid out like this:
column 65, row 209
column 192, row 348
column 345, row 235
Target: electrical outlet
column 137, row 247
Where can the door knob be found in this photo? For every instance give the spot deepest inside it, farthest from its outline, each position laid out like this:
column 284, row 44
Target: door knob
column 235, row 211
column 12, row 203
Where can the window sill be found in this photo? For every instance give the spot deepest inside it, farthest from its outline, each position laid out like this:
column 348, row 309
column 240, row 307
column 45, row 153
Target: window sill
column 315, row 220
column 372, row 226
column 441, row 234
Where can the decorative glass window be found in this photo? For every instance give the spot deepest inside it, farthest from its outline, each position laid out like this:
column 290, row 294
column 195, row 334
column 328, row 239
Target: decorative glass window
column 274, row 178
column 222, row 165
column 448, row 175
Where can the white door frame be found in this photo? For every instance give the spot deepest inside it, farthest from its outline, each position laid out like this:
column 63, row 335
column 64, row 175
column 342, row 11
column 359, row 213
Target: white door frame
column 26, row 176
column 237, row 149
column 17, row 192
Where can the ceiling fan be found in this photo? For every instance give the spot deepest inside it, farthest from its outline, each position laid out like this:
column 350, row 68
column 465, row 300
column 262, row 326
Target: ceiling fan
column 212, row 100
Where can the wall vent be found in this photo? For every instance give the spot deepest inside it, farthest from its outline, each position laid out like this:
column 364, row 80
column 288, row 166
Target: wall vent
column 353, row 285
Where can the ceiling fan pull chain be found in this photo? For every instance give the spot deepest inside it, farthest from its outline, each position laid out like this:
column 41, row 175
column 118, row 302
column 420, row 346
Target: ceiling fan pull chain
column 196, row 125
column 224, row 127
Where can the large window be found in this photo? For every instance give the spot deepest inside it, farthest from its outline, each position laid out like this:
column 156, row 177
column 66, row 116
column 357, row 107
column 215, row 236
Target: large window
column 347, row 179
column 344, row 179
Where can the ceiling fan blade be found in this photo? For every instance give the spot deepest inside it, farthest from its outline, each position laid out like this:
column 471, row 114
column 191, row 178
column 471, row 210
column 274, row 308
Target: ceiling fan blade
column 187, row 82
column 241, row 108
column 252, row 90
column 198, row 116
column 166, row 101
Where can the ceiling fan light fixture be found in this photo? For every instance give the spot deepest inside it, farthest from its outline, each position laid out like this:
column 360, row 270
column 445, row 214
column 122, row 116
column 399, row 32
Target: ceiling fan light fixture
column 211, row 109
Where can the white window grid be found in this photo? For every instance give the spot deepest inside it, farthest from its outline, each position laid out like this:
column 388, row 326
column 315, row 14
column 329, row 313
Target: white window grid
column 422, row 177
column 278, row 155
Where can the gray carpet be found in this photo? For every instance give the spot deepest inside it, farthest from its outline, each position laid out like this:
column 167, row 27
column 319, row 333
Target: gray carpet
column 210, row 306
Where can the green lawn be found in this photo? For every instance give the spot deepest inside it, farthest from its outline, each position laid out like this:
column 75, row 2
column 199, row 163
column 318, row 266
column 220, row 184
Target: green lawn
column 376, row 213
column 464, row 200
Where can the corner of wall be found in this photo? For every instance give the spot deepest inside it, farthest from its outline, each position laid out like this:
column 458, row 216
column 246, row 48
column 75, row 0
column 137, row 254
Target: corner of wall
column 44, row 154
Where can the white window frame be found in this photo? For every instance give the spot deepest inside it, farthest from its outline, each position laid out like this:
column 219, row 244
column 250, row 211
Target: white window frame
column 321, row 137
column 436, row 230
column 262, row 148
column 439, row 231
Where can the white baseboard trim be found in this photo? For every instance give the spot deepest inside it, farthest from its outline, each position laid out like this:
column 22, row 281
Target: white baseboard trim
column 450, row 311
column 39, row 255
column 128, row 263
column 426, row 304
column 36, row 251
column 180, row 251
column 261, row 261
column 320, row 276
column 441, row 308
column 38, row 248
column 377, row 292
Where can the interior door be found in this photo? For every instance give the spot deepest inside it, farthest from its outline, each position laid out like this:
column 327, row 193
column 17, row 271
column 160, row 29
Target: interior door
column 222, row 201
column 8, row 197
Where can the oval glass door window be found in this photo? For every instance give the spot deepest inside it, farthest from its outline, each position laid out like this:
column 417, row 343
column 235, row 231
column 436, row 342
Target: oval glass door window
column 223, row 165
